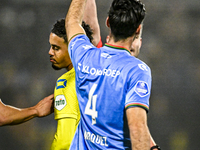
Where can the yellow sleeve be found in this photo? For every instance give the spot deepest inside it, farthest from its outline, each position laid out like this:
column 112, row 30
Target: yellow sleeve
column 65, row 132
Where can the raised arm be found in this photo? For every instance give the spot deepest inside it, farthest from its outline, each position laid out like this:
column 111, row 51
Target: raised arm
column 90, row 18
column 139, row 132
column 74, row 18
column 10, row 115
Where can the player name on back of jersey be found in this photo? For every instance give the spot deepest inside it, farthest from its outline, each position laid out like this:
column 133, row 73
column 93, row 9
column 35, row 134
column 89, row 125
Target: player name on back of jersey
column 98, row 72
column 96, row 138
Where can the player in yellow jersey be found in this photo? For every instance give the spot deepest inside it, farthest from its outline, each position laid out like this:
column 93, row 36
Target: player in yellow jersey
column 66, row 109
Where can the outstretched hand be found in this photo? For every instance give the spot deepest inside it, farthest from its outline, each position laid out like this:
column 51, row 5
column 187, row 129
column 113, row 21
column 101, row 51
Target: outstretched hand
column 45, row 106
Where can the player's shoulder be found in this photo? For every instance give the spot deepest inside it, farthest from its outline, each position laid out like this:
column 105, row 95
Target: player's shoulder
column 142, row 65
column 136, row 61
column 76, row 39
column 138, row 65
column 81, row 42
column 67, row 75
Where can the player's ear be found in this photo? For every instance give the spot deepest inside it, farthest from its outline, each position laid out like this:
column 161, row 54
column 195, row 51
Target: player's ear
column 140, row 42
column 107, row 22
column 138, row 30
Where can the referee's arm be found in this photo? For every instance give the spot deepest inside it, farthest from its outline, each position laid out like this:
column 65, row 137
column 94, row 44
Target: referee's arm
column 90, row 18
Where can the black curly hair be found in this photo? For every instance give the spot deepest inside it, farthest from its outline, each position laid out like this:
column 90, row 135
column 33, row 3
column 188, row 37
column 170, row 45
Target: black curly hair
column 59, row 29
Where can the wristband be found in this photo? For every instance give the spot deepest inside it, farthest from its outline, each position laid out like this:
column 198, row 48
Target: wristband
column 155, row 146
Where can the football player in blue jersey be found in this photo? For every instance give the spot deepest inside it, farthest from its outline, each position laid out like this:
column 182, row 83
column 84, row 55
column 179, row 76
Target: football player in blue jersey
column 113, row 88
column 135, row 51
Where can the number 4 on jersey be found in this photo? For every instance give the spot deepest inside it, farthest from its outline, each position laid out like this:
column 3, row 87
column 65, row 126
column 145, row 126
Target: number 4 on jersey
column 92, row 99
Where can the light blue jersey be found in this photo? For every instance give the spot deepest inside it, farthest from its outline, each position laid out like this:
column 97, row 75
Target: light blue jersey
column 108, row 81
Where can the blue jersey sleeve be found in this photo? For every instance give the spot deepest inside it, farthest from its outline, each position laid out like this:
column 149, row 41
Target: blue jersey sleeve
column 77, row 47
column 139, row 88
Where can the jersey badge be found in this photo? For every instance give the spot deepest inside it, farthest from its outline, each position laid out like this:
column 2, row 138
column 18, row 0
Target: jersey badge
column 61, row 84
column 142, row 88
column 60, row 102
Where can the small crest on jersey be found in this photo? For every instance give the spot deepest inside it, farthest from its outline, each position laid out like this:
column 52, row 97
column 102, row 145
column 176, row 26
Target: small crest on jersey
column 61, row 83
column 143, row 67
column 142, row 88
column 60, row 102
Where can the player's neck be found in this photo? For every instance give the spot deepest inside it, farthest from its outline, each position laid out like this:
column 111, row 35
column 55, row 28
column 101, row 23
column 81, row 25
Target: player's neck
column 122, row 43
column 69, row 67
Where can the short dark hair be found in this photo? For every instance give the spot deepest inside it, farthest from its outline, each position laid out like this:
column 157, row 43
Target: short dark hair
column 59, row 29
column 125, row 16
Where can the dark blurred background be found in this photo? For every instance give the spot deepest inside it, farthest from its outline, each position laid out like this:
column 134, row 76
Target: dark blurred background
column 171, row 48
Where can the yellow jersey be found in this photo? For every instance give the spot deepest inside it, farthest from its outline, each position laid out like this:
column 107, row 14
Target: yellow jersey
column 66, row 111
